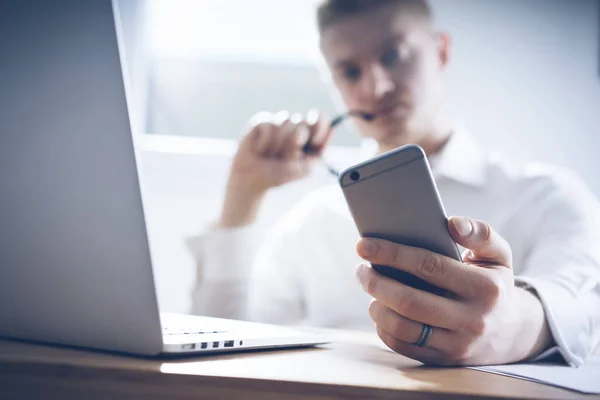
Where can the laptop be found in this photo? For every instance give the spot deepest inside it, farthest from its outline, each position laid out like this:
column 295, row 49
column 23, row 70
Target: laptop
column 75, row 265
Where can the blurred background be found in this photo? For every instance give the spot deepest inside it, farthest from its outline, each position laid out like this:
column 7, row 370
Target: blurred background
column 524, row 78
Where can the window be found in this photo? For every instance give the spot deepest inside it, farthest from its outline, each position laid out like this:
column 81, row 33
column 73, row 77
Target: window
column 209, row 65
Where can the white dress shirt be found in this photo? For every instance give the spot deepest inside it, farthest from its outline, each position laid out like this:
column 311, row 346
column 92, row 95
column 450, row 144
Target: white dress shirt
column 302, row 271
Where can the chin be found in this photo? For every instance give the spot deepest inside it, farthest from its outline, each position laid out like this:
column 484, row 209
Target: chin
column 389, row 132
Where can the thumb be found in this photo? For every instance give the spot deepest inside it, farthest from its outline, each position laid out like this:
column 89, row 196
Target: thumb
column 485, row 244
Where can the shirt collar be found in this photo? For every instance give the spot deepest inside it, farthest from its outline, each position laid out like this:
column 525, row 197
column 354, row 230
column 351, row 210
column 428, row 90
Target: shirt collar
column 462, row 159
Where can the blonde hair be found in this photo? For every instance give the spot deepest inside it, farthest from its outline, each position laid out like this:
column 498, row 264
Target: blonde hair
column 331, row 11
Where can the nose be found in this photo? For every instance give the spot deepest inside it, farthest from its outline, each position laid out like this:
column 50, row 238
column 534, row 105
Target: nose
column 379, row 83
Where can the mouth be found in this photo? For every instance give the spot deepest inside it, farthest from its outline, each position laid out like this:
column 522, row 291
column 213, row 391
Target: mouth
column 397, row 109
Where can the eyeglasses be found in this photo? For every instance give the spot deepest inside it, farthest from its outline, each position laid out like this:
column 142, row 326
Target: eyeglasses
column 365, row 116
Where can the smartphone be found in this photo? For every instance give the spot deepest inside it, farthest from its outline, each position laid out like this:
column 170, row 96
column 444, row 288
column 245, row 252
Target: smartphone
column 394, row 197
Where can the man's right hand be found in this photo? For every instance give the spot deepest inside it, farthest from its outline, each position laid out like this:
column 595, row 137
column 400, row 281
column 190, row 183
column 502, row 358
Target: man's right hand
column 271, row 154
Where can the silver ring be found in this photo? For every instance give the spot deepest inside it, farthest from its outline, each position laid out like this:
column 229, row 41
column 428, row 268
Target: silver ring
column 425, row 333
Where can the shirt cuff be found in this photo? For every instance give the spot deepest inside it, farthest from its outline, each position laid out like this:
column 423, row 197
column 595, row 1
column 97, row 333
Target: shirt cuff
column 223, row 254
column 567, row 325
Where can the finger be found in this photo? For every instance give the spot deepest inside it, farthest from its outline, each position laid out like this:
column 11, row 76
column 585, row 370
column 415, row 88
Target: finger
column 424, row 354
column 296, row 137
column 411, row 303
column 285, row 139
column 254, row 127
column 263, row 138
column 320, row 131
column 407, row 330
column 302, row 136
column 443, row 272
column 486, row 245
column 281, row 124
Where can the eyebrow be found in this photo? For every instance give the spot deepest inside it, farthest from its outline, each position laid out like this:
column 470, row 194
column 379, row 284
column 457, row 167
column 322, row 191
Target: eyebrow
column 394, row 39
column 343, row 64
column 391, row 40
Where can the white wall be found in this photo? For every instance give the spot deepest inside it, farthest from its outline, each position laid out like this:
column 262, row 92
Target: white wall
column 525, row 79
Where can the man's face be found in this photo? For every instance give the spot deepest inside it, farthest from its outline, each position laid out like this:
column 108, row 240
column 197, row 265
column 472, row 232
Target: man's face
column 388, row 62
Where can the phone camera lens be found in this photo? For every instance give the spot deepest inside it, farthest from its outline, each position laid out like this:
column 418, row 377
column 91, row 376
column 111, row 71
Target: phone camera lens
column 354, row 175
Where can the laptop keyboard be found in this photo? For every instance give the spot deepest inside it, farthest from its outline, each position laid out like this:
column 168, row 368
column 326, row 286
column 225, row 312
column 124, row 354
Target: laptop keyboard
column 187, row 331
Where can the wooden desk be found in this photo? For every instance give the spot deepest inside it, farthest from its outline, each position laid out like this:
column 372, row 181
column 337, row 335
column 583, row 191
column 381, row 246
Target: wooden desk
column 354, row 367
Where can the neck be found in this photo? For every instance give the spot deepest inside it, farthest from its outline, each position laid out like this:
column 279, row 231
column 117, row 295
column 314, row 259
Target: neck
column 432, row 138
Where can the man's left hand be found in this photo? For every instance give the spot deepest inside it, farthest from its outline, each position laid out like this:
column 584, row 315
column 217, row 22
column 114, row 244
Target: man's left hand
column 485, row 320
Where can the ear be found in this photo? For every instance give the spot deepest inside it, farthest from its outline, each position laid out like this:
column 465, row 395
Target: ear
column 444, row 42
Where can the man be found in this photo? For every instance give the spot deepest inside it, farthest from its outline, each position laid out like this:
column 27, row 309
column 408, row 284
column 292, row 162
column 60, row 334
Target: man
column 525, row 290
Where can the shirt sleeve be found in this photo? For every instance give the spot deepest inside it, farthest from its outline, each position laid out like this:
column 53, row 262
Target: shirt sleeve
column 563, row 268
column 275, row 292
column 223, row 259
column 243, row 274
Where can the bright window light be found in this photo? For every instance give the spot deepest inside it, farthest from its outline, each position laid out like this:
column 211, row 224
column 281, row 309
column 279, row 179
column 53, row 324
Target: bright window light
column 268, row 30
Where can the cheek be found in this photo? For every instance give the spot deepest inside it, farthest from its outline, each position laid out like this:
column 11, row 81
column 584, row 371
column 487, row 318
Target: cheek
column 422, row 86
column 351, row 97
column 417, row 79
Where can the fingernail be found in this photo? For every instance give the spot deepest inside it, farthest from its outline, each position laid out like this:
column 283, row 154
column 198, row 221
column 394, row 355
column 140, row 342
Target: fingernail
column 367, row 247
column 261, row 117
column 296, row 118
column 281, row 117
column 312, row 116
column 462, row 225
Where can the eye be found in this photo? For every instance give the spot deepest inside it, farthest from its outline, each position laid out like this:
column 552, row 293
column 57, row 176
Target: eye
column 351, row 73
column 395, row 55
column 390, row 57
